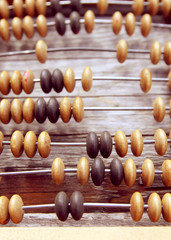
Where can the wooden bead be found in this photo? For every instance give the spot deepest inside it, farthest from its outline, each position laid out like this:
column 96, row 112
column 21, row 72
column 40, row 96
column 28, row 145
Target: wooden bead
column 58, row 174
column 89, row 21
column 1, row 145
column 30, row 147
column 41, row 51
column 17, row 28
column 130, row 172
column 43, row 144
column 159, row 109
column 5, row 111
column 4, row 11
column 87, row 79
column 130, row 23
column 148, row 172
column 75, row 22
column 15, row 209
column 4, row 82
column 45, row 81
column 122, row 50
column 28, row 110
column 154, row 207
column 30, row 7
column 169, row 85
column 40, row 110
column 4, row 214
column 167, row 53
column 92, row 145
column 53, row 110
column 121, row 143
column 76, row 205
column 65, row 109
column 166, row 7
column 116, row 172
column 83, row 171
column 138, row 6
column 98, row 171
column 60, row 23
column 137, row 206
column 76, row 5
column 153, row 7
column 146, row 80
column 105, row 144
column 137, row 143
column 62, row 206
column 28, row 26
column 116, row 22
column 18, row 8
column 17, row 111
column 16, row 82
column 155, row 52
column 69, row 80
column 27, row 81
column 146, row 22
column 166, row 175
column 41, row 7
column 55, row 6
column 16, row 143
column 160, row 142
column 166, row 202
column 102, row 6
column 57, row 80
column 42, row 25
column 78, row 109
column 4, row 30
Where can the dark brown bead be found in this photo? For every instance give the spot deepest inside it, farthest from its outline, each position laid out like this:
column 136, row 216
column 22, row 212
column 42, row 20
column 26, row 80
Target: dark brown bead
column 75, row 22
column 98, row 171
column 76, row 5
column 57, row 80
column 62, row 206
column 105, row 144
column 92, row 145
column 60, row 23
column 116, row 172
column 53, row 110
column 40, row 110
column 76, row 205
column 55, row 6
column 45, row 81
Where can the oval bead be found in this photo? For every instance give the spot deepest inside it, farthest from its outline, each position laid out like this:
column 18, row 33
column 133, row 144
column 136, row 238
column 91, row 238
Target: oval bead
column 138, row 6
column 69, row 80
column 17, row 111
column 76, row 205
column 159, row 109
column 40, row 110
column 28, row 26
column 65, row 109
column 58, row 174
column 16, row 82
column 41, row 51
column 105, row 144
column 146, row 80
column 98, row 171
column 4, row 11
column 18, row 8
column 160, row 142
column 154, row 207
column 42, row 25
column 130, row 172
column 55, row 6
column 102, row 6
column 166, row 7
column 166, row 175
column 122, row 50
column 17, row 28
column 148, row 173
column 16, row 143
column 137, row 206
column 167, row 53
column 62, row 206
column 1, row 145
column 4, row 214
column 166, row 202
column 43, row 144
column 40, row 6
column 75, row 5
column 53, row 110
column 92, row 145
column 153, row 7
column 121, row 143
column 75, row 22
column 155, row 52
column 5, row 111
column 27, row 81
column 169, row 83
column 137, row 143
column 4, row 82
column 89, row 18
column 116, row 22
column 57, row 80
column 60, row 24
column 116, row 172
column 30, row 147
column 146, row 22
column 87, row 79
column 78, row 109
column 83, row 171
column 130, row 23
column 15, row 209
column 28, row 110
column 4, row 30
column 30, row 7
column 45, row 81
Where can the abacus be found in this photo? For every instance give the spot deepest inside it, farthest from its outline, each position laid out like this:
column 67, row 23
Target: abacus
column 85, row 113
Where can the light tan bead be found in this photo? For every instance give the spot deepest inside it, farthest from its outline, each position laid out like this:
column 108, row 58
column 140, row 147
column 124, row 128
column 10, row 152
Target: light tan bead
column 117, row 22
column 5, row 111
column 78, row 109
column 44, row 144
column 166, row 7
column 137, row 206
column 16, row 143
column 89, row 21
column 155, row 52
column 166, row 210
column 4, row 11
column 137, row 143
column 153, row 7
column 122, row 50
column 30, row 7
column 69, row 80
column 41, row 51
column 130, row 23
column 18, row 8
column 154, row 207
column 41, row 7
column 146, row 22
column 83, row 171
column 27, row 81
column 160, row 142
column 169, row 83
column 121, row 143
column 17, row 28
column 17, row 111
column 15, row 209
column 167, row 53
column 146, row 80
column 102, row 6
column 130, row 172
column 166, row 175
column 65, row 109
column 138, row 6
column 4, row 214
column 87, row 79
column 159, row 109
column 148, row 172
column 4, row 82
column 4, row 30
column 1, row 145
column 58, row 174
column 28, row 26
column 30, row 144
column 16, row 82
column 28, row 110
column 42, row 25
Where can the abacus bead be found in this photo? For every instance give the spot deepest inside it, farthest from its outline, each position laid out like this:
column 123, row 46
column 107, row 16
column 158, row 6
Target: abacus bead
column 130, row 172
column 1, row 145
column 137, row 206
column 4, row 82
column 41, row 51
column 62, row 206
column 98, row 171
column 41, row 25
column 92, row 145
column 166, row 7
column 28, row 110
column 5, row 111
column 15, row 209
column 30, row 7
column 89, row 21
column 18, row 8
column 102, row 6
column 28, row 26
column 148, row 173
column 167, row 53
column 43, row 144
column 155, row 52
column 16, row 143
column 55, row 6
column 27, row 82
column 17, row 111
column 169, row 83
column 4, row 30
column 87, row 79
column 65, row 109
column 53, row 110
column 60, row 23
column 130, row 23
column 153, row 7
column 166, row 175
column 45, row 80
column 57, row 80
column 17, row 28
column 75, row 22
column 121, row 143
column 40, row 110
column 146, row 23
column 41, row 6
column 154, row 207
column 160, row 141
column 105, row 144
column 83, row 171
column 58, row 174
column 116, row 172
column 159, row 109
column 30, row 144
column 69, row 80
column 116, row 22
column 75, row 5
column 4, row 11
column 78, row 109
column 137, row 143
column 138, row 6
column 76, row 205
column 166, row 202
column 146, row 80
column 4, row 214
column 16, row 82
column 122, row 50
